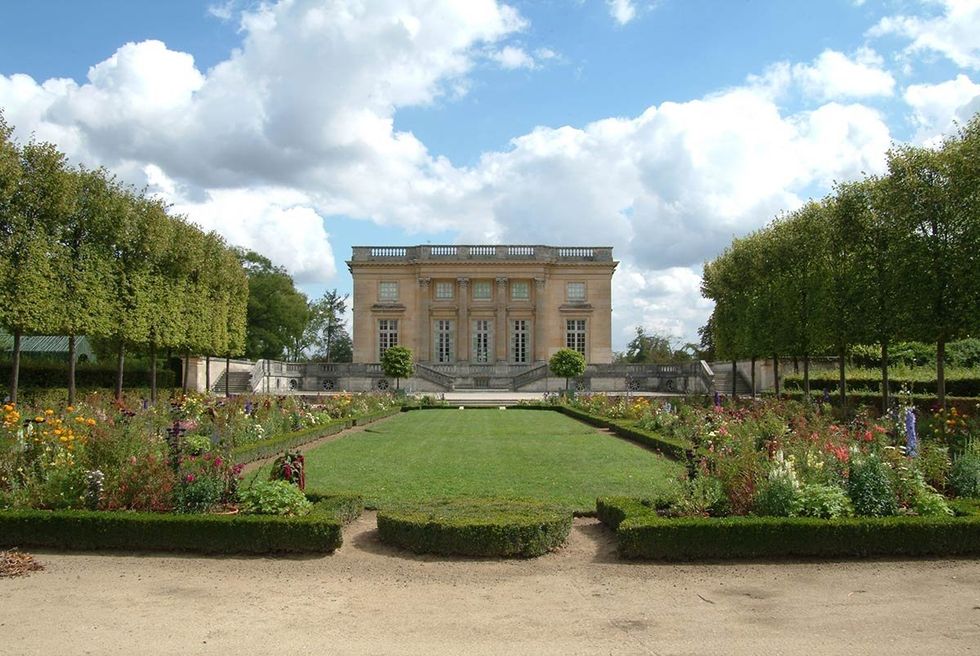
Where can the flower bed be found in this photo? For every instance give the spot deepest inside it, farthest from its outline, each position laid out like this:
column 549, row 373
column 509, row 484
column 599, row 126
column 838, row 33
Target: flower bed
column 477, row 527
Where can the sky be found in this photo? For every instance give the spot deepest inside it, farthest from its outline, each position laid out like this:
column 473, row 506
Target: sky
column 662, row 128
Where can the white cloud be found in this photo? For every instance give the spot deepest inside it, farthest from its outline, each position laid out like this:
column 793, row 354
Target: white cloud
column 623, row 11
column 937, row 108
column 831, row 76
column 954, row 33
column 223, row 11
column 511, row 57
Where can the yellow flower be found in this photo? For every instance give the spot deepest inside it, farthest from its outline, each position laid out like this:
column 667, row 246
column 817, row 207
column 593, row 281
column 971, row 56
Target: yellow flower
column 90, row 422
column 49, row 412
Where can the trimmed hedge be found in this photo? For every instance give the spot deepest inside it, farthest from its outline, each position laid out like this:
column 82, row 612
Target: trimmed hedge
column 276, row 444
column 85, row 530
column 627, row 430
column 364, row 420
column 957, row 384
column 924, row 402
column 344, row 507
column 641, row 533
column 477, row 527
column 46, row 374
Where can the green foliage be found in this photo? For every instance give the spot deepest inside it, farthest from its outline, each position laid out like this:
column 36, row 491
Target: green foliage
column 632, row 431
column 964, row 478
column 870, row 489
column 611, row 511
column 273, row 498
column 477, row 527
column 277, row 312
column 397, row 363
column 39, row 374
column 776, row 497
column 704, row 496
column 326, row 336
column 345, row 508
column 257, row 534
column 567, row 363
column 823, row 501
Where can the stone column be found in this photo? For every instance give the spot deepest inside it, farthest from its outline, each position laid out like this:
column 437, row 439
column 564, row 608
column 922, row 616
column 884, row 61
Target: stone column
column 500, row 330
column 539, row 351
column 423, row 322
column 463, row 329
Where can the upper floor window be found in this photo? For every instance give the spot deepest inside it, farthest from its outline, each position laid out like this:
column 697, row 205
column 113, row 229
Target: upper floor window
column 444, row 290
column 575, row 292
column 520, row 290
column 388, row 290
column 482, row 290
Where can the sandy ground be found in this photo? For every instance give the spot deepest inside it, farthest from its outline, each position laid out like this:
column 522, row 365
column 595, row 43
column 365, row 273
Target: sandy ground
column 370, row 599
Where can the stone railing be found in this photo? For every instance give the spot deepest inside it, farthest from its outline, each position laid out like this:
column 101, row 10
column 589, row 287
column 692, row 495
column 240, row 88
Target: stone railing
column 464, row 253
column 433, row 376
column 531, row 375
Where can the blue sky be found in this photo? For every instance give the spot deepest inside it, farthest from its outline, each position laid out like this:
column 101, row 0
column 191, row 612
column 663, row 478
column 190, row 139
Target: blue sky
column 661, row 128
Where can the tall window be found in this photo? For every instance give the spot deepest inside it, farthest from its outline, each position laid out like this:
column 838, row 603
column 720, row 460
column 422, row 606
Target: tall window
column 387, row 335
column 482, row 290
column 520, row 290
column 575, row 292
column 575, row 335
column 444, row 290
column 388, row 290
column 518, row 342
column 481, row 340
column 444, row 341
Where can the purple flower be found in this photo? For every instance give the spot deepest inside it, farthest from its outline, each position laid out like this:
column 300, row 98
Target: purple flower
column 911, row 438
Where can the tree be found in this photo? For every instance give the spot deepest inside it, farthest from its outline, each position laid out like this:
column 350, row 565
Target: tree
column 644, row 348
column 277, row 312
column 396, row 362
column 567, row 363
column 326, row 325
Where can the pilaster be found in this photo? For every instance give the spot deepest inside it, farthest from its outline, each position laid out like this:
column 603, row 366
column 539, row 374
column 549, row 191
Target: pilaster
column 500, row 332
column 424, row 328
column 463, row 327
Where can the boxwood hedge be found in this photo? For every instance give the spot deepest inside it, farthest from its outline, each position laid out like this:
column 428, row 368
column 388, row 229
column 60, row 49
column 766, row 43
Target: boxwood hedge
column 641, row 533
column 344, row 507
column 628, row 430
column 477, row 527
column 86, row 530
column 276, row 444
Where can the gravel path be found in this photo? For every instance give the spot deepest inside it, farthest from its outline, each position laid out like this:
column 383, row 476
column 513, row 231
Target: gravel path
column 369, row 599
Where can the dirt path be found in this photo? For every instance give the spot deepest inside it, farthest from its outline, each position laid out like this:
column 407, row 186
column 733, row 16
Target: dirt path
column 369, row 599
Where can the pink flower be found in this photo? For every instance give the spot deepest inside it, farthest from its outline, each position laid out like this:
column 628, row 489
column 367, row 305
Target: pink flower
column 217, row 461
column 189, row 478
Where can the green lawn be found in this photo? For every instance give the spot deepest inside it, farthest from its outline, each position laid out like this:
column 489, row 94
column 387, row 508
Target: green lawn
column 478, row 453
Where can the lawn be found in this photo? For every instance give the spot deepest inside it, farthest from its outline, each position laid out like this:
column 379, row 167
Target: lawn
column 479, row 453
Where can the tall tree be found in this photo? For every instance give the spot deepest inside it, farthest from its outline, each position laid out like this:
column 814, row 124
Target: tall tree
column 648, row 347
column 277, row 312
column 326, row 324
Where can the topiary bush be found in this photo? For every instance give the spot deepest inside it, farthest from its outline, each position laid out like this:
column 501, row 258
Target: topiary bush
column 870, row 488
column 273, row 498
column 477, row 527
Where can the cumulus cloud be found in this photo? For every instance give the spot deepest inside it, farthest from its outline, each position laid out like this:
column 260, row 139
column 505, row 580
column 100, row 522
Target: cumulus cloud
column 831, row 76
column 938, row 108
column 953, row 33
column 623, row 11
column 511, row 57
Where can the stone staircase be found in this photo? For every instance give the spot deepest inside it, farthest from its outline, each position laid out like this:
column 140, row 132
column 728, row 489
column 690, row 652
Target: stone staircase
column 239, row 382
column 723, row 382
column 433, row 376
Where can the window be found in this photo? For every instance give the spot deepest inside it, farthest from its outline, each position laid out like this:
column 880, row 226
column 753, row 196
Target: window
column 388, row 290
column 575, row 335
column 575, row 292
column 387, row 335
column 482, row 290
column 518, row 341
column 444, row 340
column 481, row 340
column 520, row 290
column 444, row 290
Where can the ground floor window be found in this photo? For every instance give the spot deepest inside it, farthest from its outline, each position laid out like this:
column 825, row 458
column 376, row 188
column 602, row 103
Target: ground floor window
column 575, row 335
column 387, row 335
column 444, row 341
column 519, row 341
column 481, row 340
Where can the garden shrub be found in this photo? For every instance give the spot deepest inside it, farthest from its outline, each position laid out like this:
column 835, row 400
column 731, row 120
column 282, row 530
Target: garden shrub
column 704, row 496
column 344, row 507
column 197, row 445
column 477, row 527
column 273, row 498
column 870, row 488
column 144, row 483
column 823, row 501
column 82, row 529
column 776, row 497
column 964, row 477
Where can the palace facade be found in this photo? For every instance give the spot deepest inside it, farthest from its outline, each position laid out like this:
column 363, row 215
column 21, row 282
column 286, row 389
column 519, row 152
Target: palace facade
column 513, row 305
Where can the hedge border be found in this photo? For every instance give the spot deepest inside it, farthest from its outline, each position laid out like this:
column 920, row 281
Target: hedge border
column 642, row 534
column 343, row 506
column 670, row 448
column 207, row 534
column 496, row 528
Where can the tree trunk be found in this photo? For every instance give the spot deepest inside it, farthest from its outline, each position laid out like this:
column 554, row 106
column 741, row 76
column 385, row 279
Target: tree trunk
column 842, row 380
column 15, row 368
column 187, row 363
column 753, row 376
column 806, row 376
column 207, row 374
column 941, row 372
column 71, row 370
column 884, row 377
column 120, row 363
column 153, row 373
column 775, row 372
column 734, row 379
column 227, row 375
